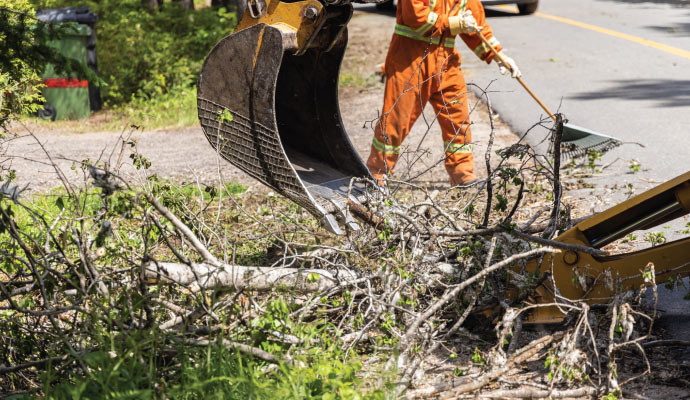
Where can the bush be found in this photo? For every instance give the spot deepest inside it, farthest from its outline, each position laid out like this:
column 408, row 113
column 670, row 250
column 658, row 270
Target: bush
column 144, row 53
column 174, row 108
column 148, row 364
column 25, row 49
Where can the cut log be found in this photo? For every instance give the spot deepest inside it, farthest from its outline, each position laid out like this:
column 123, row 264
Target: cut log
column 206, row 276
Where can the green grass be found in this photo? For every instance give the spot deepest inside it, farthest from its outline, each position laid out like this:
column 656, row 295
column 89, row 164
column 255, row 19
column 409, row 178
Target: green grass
column 137, row 370
column 149, row 363
column 209, row 192
column 357, row 80
column 169, row 110
column 175, row 109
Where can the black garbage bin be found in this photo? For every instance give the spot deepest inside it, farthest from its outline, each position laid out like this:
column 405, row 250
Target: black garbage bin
column 81, row 15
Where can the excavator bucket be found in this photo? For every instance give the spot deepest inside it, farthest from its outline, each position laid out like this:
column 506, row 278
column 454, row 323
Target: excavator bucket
column 268, row 103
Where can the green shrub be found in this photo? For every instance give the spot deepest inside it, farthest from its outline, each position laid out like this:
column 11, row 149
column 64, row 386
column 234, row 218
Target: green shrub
column 143, row 54
column 25, row 50
column 147, row 364
column 174, row 108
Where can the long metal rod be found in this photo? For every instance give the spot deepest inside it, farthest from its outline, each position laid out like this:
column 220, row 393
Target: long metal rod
column 635, row 225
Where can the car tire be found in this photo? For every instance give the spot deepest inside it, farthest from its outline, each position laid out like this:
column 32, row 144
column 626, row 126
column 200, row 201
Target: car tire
column 385, row 5
column 529, row 8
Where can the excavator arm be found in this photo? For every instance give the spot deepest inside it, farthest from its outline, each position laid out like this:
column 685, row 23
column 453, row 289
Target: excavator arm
column 578, row 275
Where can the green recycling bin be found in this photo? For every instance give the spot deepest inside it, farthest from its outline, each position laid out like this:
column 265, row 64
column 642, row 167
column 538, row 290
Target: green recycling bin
column 67, row 97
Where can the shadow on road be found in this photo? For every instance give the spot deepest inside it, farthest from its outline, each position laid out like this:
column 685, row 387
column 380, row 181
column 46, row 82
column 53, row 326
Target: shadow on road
column 667, row 92
column 490, row 12
column 677, row 3
column 498, row 13
column 682, row 29
column 371, row 9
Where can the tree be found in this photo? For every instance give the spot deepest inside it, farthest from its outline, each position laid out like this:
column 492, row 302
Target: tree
column 25, row 48
column 19, row 80
column 152, row 4
column 188, row 4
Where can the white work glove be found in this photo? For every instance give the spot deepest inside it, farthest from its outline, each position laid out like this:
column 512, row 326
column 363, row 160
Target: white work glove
column 463, row 23
column 512, row 65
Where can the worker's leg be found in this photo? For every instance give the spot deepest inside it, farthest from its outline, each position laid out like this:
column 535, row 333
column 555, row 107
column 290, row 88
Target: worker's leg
column 405, row 95
column 449, row 99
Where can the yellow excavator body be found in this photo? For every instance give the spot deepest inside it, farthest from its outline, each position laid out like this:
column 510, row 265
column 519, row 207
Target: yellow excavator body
column 578, row 275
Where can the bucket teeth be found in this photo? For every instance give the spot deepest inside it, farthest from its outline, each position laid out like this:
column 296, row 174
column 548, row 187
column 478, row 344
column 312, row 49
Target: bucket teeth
column 344, row 215
column 275, row 116
column 329, row 222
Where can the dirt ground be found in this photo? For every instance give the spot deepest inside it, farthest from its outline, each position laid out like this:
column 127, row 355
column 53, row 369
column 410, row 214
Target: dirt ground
column 185, row 155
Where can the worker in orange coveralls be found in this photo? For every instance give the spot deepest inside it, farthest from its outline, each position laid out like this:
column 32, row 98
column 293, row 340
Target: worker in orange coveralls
column 423, row 66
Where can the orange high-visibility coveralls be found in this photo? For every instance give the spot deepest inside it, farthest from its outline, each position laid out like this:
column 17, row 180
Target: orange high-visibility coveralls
column 423, row 66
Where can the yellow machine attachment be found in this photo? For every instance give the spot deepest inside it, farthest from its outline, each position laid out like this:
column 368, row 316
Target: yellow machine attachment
column 578, row 275
column 268, row 102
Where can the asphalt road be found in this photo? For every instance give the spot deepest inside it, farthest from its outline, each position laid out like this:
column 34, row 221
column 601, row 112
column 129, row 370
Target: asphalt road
column 620, row 67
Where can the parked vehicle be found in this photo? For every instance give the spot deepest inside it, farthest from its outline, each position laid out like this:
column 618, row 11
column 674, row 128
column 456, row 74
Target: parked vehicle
column 524, row 6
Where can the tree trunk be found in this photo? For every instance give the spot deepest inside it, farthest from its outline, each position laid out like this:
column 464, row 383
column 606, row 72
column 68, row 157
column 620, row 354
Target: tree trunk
column 221, row 3
column 151, row 4
column 188, row 4
column 205, row 276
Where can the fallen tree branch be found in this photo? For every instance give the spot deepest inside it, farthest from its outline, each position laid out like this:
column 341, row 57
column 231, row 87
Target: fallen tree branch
column 246, row 349
column 184, row 230
column 452, row 293
column 204, row 276
column 520, row 356
column 30, row 364
column 365, row 215
column 661, row 343
column 526, row 393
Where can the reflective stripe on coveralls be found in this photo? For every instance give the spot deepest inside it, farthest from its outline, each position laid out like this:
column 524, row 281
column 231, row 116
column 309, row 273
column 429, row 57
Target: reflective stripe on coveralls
column 418, row 34
column 385, row 148
column 483, row 49
column 457, row 147
column 403, row 30
column 408, row 32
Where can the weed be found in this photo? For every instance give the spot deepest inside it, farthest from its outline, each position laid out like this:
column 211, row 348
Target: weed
column 630, row 238
column 478, row 357
column 357, row 80
column 687, row 228
column 655, row 238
